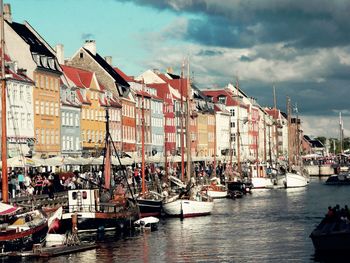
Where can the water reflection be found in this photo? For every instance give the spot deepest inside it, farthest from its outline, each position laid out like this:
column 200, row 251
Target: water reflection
column 265, row 226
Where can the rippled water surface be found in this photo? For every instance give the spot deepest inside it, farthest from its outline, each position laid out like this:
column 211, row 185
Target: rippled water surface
column 265, row 226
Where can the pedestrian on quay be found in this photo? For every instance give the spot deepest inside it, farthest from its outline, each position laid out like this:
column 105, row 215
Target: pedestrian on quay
column 38, row 184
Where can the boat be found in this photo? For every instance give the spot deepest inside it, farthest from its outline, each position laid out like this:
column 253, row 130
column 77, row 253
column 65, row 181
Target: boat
column 149, row 202
column 20, row 231
column 104, row 207
column 188, row 205
column 343, row 178
column 332, row 235
column 260, row 179
column 215, row 189
column 145, row 223
column 190, row 201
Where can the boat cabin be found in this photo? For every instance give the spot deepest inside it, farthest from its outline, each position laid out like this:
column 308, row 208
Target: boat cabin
column 83, row 200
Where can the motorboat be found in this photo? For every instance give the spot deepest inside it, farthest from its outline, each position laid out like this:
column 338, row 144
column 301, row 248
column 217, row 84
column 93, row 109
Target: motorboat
column 215, row 189
column 145, row 223
column 97, row 212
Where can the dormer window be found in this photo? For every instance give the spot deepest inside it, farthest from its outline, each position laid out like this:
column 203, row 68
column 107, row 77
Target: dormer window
column 222, row 99
column 51, row 63
column 44, row 61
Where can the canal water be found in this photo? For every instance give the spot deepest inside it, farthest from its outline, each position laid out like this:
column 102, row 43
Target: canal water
column 265, row 226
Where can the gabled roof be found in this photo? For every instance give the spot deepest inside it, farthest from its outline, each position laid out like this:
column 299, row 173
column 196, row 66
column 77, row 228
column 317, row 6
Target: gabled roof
column 122, row 84
column 43, row 55
column 123, row 75
column 230, row 101
column 36, row 46
column 163, row 91
column 81, row 78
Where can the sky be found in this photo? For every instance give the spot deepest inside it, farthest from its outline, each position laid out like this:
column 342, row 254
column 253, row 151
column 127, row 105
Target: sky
column 300, row 47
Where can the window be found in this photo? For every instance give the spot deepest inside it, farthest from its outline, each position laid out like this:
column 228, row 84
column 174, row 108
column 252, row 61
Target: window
column 37, row 107
column 77, row 120
column 81, row 55
column 48, row 137
column 52, row 109
column 57, row 137
column 71, row 119
column 56, row 109
column 37, row 135
column 232, row 111
column 77, row 143
column 83, row 135
column 47, row 110
column 52, row 137
column 63, row 118
column 222, row 99
column 23, row 120
column 29, row 120
column 83, row 114
column 42, row 136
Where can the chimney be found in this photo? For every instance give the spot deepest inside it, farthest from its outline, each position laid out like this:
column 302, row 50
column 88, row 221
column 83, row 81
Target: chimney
column 91, row 46
column 60, row 53
column 7, row 13
column 109, row 60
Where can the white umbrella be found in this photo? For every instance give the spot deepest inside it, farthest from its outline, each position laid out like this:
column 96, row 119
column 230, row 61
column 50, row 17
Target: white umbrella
column 20, row 161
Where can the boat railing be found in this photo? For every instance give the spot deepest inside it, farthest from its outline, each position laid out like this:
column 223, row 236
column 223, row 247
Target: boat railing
column 102, row 207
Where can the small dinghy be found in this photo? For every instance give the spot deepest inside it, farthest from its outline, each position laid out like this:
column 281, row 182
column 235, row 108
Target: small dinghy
column 149, row 222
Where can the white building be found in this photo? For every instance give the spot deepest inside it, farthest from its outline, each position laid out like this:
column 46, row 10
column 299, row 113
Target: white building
column 19, row 111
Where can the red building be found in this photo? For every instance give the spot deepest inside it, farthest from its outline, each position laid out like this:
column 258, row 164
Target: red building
column 163, row 91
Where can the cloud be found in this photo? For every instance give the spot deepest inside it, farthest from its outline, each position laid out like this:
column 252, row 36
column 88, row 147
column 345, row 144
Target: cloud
column 303, row 47
column 86, row 36
column 234, row 23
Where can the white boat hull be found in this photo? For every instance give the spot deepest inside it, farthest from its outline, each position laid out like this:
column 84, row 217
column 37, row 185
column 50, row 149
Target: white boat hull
column 188, row 208
column 261, row 182
column 216, row 194
column 295, row 180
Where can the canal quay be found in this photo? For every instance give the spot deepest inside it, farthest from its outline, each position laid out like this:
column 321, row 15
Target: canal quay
column 264, row 226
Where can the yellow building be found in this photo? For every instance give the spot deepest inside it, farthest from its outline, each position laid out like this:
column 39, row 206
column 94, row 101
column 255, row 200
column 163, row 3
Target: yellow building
column 46, row 97
column 202, row 124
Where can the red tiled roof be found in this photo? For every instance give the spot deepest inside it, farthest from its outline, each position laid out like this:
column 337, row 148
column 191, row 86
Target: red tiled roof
column 273, row 112
column 163, row 91
column 81, row 78
column 123, row 75
column 230, row 101
column 143, row 93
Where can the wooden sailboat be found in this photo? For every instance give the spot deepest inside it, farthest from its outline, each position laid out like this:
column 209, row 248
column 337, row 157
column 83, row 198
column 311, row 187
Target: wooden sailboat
column 19, row 230
column 236, row 186
column 104, row 208
column 150, row 203
column 190, row 202
column 294, row 175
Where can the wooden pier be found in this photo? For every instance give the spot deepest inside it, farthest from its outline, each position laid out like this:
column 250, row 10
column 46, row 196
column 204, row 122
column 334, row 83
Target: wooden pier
column 45, row 252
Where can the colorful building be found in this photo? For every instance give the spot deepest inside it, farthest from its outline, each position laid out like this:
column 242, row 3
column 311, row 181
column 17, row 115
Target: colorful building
column 34, row 54
column 19, row 110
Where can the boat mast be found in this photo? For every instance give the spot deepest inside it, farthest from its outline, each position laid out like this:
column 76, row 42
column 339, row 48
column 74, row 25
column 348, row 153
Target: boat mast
column 165, row 141
column 265, row 156
column 297, row 139
column 188, row 112
column 341, row 133
column 182, row 139
column 290, row 154
column 238, row 131
column 276, row 121
column 5, row 196
column 143, row 139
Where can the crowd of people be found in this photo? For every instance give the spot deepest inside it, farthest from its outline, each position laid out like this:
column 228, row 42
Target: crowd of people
column 34, row 182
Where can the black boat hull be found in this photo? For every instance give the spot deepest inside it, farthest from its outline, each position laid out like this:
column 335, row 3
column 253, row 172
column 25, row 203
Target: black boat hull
column 149, row 207
column 331, row 242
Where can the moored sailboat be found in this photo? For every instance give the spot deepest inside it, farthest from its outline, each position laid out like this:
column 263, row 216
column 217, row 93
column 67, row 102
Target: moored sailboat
column 18, row 230
column 191, row 201
column 104, row 208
